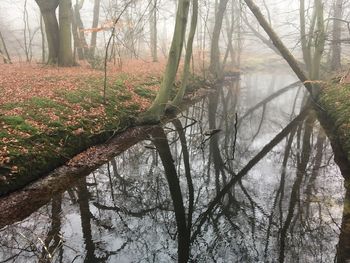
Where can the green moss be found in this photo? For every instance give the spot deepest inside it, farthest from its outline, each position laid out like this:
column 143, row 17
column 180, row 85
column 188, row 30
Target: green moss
column 56, row 124
column 132, row 107
column 125, row 96
column 335, row 98
column 44, row 103
column 26, row 128
column 9, row 106
column 144, row 92
column 12, row 120
column 4, row 134
column 119, row 83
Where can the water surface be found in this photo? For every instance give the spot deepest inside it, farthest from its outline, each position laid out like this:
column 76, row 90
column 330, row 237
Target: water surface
column 220, row 183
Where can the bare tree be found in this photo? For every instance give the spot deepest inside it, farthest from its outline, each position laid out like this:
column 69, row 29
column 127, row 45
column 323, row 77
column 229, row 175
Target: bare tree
column 95, row 20
column 153, row 30
column 3, row 50
column 336, row 43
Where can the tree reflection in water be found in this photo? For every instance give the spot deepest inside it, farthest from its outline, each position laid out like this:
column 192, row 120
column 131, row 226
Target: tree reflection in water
column 244, row 176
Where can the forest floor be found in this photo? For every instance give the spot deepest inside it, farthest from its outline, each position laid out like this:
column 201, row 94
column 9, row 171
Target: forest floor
column 50, row 114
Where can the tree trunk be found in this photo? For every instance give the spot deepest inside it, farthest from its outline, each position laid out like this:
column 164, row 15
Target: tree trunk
column 48, row 9
column 215, row 50
column 158, row 106
column 80, row 45
column 336, row 44
column 43, row 48
column 343, row 247
column 304, row 39
column 153, row 31
column 65, row 56
column 94, row 25
column 186, row 72
column 77, row 47
column 3, row 50
column 319, row 41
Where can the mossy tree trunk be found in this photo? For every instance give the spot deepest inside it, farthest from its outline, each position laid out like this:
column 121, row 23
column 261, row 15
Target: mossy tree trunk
column 154, row 113
column 186, row 71
column 215, row 50
column 48, row 9
column 65, row 55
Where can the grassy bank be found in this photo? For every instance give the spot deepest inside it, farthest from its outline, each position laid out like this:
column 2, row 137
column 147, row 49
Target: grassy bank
column 42, row 133
column 43, row 128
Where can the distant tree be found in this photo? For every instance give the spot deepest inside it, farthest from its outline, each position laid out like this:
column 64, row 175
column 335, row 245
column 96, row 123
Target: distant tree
column 313, row 40
column 153, row 30
column 285, row 53
column 95, row 20
column 215, row 64
column 3, row 50
column 336, row 35
column 80, row 45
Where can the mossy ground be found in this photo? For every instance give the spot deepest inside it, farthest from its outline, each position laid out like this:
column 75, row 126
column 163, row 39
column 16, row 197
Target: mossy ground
column 335, row 99
column 40, row 133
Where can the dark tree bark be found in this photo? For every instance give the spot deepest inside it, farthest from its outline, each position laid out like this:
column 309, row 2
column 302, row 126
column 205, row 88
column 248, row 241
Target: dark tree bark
column 85, row 215
column 161, row 143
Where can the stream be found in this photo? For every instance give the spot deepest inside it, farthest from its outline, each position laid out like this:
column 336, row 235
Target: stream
column 244, row 175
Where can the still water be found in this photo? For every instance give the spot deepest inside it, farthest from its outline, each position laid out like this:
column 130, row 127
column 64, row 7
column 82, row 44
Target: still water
column 235, row 178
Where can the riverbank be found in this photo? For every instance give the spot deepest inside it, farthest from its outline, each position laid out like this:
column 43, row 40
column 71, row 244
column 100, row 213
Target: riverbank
column 50, row 115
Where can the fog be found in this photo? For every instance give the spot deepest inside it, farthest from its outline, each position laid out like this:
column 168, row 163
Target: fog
column 21, row 19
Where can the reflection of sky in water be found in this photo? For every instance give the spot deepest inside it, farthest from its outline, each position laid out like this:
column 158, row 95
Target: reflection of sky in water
column 130, row 218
